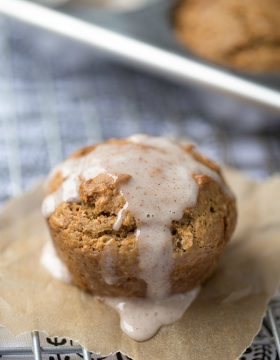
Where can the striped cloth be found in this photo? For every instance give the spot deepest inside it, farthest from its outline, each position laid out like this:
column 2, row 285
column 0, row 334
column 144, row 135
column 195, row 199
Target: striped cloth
column 57, row 95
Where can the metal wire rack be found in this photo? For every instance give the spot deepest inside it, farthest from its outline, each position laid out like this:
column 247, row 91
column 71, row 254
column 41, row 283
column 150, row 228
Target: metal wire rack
column 37, row 350
column 275, row 329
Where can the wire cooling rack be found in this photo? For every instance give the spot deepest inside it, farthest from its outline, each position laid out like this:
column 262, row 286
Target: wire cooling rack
column 273, row 323
column 37, row 351
column 57, row 348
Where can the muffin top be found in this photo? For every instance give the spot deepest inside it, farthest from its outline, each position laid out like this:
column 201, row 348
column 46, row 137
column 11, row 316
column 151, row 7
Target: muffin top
column 147, row 183
column 241, row 34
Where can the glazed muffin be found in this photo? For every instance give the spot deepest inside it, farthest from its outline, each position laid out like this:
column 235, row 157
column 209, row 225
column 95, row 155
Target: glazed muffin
column 139, row 217
column 241, row 34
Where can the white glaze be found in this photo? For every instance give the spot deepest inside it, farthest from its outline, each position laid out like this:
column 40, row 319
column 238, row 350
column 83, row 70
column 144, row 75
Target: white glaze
column 141, row 318
column 160, row 187
column 68, row 192
column 121, row 215
column 108, row 263
column 53, row 264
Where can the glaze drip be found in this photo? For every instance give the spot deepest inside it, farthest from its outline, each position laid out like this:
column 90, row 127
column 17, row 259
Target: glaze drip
column 142, row 318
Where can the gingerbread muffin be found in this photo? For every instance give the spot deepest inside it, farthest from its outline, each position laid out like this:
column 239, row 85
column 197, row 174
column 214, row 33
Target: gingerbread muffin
column 241, row 34
column 139, row 217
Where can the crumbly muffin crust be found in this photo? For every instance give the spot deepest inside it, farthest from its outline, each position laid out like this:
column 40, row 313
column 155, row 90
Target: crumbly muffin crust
column 241, row 34
column 83, row 234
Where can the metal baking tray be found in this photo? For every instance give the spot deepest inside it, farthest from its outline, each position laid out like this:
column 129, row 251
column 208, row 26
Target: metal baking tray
column 144, row 38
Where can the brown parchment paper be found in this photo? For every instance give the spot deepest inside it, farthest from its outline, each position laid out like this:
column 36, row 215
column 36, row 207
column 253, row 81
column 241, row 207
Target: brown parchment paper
column 220, row 324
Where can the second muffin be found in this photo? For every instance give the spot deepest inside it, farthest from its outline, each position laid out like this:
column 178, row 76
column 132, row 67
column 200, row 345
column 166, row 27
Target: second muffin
column 241, row 34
